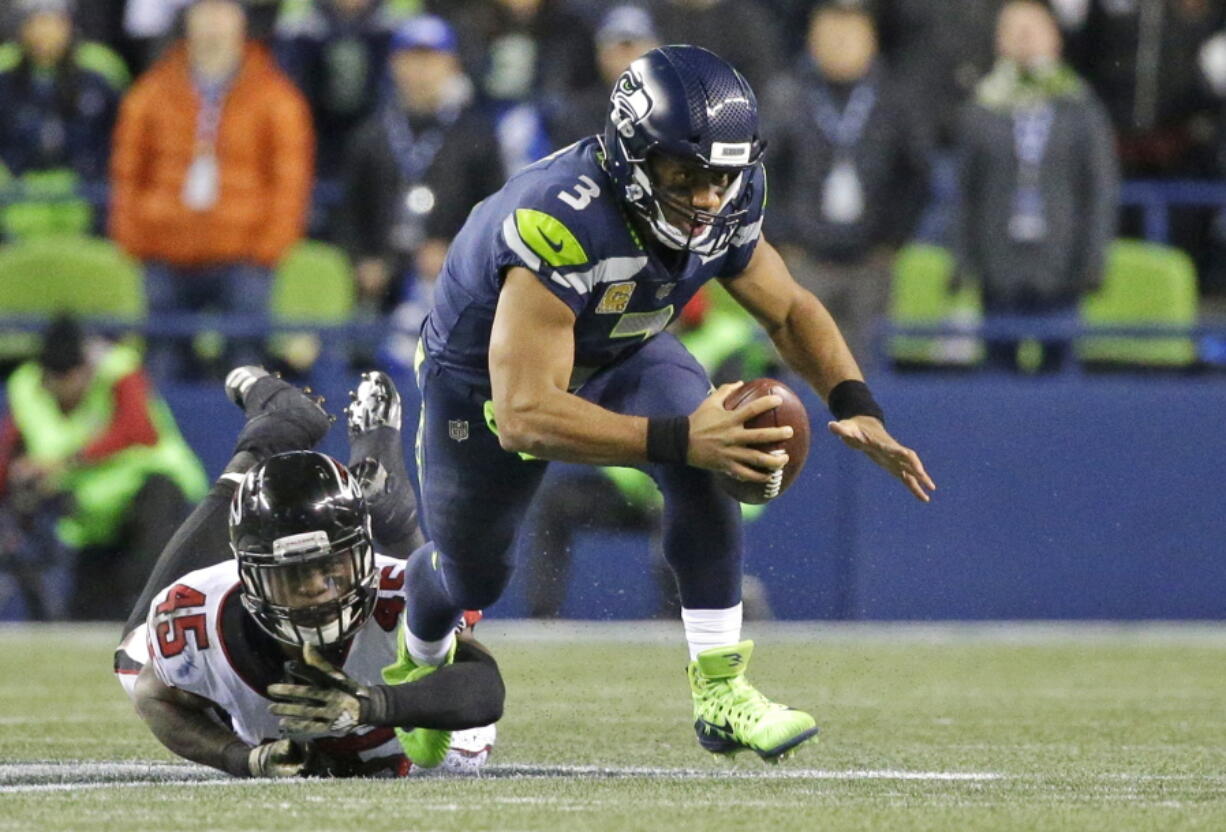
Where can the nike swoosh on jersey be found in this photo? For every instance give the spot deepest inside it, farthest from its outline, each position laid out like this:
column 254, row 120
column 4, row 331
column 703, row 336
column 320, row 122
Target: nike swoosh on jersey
column 556, row 246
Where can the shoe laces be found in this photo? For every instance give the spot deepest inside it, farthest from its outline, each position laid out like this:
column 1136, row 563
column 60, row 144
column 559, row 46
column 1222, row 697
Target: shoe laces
column 737, row 701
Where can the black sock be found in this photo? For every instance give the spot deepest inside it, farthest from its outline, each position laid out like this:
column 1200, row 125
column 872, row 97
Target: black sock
column 376, row 458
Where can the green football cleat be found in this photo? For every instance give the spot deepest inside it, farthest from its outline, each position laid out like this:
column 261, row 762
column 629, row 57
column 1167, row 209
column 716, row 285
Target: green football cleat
column 425, row 747
column 730, row 715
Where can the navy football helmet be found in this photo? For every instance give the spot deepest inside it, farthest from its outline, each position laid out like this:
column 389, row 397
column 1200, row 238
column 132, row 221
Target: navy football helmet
column 300, row 530
column 691, row 105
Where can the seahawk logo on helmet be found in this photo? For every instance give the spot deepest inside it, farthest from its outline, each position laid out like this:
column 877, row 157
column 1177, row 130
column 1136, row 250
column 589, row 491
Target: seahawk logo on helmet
column 691, row 105
column 300, row 530
column 631, row 103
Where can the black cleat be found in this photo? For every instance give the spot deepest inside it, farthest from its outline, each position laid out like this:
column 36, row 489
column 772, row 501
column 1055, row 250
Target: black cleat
column 376, row 458
column 375, row 403
column 280, row 417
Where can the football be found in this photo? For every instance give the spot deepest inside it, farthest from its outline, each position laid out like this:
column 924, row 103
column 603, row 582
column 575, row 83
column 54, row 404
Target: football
column 791, row 412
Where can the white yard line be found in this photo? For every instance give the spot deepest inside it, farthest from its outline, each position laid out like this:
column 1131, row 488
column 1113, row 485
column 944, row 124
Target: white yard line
column 615, row 772
column 68, row 776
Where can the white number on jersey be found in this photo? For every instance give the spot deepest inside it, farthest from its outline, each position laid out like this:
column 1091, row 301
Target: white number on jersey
column 172, row 623
column 585, row 192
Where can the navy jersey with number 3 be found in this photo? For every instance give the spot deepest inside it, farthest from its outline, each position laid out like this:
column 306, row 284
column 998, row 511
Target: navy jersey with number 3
column 560, row 219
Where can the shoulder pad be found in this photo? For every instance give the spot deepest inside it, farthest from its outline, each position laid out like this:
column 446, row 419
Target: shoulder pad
column 561, row 210
column 548, row 238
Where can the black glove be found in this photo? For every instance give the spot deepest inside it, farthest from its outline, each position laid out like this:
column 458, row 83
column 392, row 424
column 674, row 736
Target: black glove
column 326, row 703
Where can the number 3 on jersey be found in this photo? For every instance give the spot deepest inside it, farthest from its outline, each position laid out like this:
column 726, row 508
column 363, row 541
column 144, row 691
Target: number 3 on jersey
column 173, row 626
column 585, row 192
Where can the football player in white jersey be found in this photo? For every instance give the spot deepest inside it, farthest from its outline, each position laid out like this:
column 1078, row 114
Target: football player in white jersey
column 286, row 659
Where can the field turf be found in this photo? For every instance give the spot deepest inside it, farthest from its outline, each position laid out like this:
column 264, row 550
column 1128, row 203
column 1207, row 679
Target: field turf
column 999, row 727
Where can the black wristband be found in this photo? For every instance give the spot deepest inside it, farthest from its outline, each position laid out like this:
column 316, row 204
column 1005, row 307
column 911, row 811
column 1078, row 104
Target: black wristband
column 234, row 759
column 853, row 398
column 668, row 439
column 375, row 706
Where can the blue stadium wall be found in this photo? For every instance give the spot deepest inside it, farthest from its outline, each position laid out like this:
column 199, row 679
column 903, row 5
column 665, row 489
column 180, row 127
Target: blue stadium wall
column 1066, row 498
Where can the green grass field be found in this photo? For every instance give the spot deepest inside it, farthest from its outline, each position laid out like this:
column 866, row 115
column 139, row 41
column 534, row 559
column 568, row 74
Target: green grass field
column 1018, row 727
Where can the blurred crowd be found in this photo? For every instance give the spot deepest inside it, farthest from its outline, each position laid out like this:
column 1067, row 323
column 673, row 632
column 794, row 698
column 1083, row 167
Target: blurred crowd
column 208, row 137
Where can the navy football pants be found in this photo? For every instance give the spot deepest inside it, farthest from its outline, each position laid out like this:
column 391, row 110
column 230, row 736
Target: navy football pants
column 475, row 494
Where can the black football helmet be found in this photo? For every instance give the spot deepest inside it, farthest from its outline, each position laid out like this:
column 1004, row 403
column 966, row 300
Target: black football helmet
column 689, row 104
column 300, row 530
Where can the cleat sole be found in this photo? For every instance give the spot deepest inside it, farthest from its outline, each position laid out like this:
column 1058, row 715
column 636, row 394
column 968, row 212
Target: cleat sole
column 774, row 755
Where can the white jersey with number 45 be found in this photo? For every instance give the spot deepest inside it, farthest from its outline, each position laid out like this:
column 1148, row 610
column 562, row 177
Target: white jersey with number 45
column 201, row 640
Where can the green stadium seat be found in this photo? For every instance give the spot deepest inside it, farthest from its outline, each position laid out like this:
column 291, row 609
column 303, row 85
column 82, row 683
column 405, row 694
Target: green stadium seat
column 1146, row 284
column 920, row 296
column 86, row 276
column 50, row 207
column 312, row 286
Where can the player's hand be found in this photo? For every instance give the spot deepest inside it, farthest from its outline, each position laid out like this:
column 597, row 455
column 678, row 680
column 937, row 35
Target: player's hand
column 719, row 440
column 326, row 703
column 865, row 433
column 279, row 758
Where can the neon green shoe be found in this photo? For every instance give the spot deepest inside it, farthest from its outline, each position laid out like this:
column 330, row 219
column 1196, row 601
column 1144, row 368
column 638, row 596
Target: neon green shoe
column 730, row 715
column 425, row 747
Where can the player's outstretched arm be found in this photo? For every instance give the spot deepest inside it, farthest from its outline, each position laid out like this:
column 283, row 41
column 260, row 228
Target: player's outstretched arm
column 867, row 434
column 467, row 693
column 810, row 342
column 532, row 351
column 181, row 721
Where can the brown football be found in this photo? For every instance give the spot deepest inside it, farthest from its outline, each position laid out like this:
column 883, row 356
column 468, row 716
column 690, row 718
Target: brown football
column 791, row 412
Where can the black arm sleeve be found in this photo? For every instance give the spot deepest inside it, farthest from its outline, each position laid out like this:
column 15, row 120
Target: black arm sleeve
column 465, row 694
column 202, row 540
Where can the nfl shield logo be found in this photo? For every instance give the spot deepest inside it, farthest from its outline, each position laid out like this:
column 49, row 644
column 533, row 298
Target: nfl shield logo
column 665, row 290
column 457, row 429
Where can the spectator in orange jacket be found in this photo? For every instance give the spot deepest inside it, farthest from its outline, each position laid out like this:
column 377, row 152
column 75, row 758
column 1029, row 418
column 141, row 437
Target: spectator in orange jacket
column 211, row 177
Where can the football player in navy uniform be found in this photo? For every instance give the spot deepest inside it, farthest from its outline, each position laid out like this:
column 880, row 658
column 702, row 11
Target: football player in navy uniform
column 285, row 658
column 547, row 342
